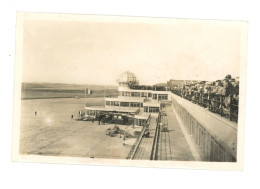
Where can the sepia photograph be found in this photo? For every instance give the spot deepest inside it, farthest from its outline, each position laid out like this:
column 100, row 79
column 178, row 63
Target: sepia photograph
column 130, row 91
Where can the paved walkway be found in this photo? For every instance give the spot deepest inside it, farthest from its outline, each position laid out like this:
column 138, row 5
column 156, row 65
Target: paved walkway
column 145, row 147
column 173, row 145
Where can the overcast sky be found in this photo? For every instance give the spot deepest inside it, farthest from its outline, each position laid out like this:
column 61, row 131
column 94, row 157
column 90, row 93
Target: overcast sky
column 98, row 52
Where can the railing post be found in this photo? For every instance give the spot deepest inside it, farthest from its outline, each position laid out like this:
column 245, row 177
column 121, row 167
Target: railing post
column 230, row 109
column 221, row 105
column 209, row 101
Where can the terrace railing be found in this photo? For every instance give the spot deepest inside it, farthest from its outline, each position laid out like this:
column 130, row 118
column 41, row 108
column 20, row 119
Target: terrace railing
column 210, row 147
column 155, row 140
column 136, row 145
column 225, row 106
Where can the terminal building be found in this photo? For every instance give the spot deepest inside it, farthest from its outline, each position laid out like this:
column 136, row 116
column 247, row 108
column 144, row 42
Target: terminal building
column 131, row 101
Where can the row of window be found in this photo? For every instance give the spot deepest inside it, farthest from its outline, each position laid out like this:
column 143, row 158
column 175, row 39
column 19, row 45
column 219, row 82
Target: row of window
column 163, row 97
column 151, row 109
column 140, row 122
column 124, row 104
column 124, row 85
column 160, row 96
column 135, row 94
column 145, row 94
column 94, row 112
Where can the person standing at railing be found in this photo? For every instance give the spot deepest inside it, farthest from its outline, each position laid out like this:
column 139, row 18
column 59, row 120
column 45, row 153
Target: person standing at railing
column 210, row 94
column 190, row 93
column 235, row 91
column 183, row 91
column 193, row 90
column 206, row 91
column 220, row 94
column 200, row 91
column 235, row 99
column 196, row 93
column 187, row 91
column 227, row 92
column 215, row 91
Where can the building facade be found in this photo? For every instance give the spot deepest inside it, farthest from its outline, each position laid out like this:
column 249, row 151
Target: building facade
column 131, row 101
column 145, row 99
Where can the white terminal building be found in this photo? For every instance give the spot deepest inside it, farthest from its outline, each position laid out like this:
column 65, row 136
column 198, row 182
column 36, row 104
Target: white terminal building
column 139, row 103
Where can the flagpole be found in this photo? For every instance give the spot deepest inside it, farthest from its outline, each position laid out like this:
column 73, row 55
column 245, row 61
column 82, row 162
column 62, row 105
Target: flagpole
column 85, row 96
column 105, row 95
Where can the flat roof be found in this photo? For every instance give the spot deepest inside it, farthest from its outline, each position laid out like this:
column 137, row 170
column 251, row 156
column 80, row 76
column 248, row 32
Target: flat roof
column 126, row 99
column 142, row 116
column 152, row 103
column 111, row 109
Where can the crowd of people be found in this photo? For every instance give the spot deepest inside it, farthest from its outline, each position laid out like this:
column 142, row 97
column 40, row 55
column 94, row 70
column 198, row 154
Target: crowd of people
column 149, row 87
column 221, row 96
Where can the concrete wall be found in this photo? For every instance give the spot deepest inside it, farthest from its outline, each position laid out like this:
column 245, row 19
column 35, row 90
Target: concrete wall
column 214, row 137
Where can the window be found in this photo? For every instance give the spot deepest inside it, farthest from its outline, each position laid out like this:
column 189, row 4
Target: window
column 114, row 103
column 134, row 104
column 123, row 84
column 92, row 112
column 153, row 109
column 135, row 94
column 154, row 96
column 162, row 96
column 125, row 104
column 145, row 109
column 149, row 94
column 159, row 97
column 108, row 103
column 125, row 93
column 140, row 122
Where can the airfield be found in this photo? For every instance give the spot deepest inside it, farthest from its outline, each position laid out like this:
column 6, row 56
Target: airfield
column 52, row 132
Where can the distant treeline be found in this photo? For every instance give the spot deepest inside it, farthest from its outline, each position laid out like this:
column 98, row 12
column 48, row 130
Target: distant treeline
column 57, row 90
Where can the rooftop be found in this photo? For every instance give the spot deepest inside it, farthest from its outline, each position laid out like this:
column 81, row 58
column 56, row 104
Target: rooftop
column 142, row 116
column 114, row 109
column 127, row 77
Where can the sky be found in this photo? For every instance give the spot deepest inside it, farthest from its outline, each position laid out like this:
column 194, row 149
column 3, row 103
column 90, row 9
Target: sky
column 87, row 52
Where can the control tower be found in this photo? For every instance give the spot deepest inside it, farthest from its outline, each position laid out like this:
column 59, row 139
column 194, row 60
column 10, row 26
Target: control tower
column 125, row 79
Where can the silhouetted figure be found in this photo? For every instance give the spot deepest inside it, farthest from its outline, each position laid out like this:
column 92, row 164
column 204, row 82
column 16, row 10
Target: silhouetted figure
column 35, row 113
column 71, row 116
